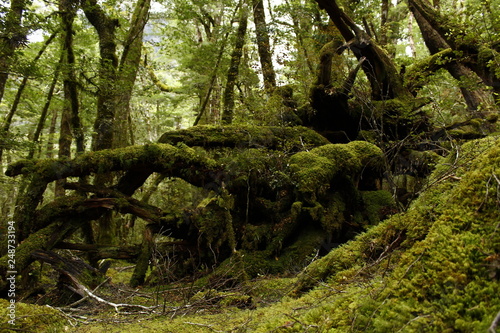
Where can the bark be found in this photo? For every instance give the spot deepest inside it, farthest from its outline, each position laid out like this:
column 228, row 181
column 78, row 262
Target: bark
column 142, row 263
column 71, row 103
column 332, row 116
column 52, row 133
column 72, row 270
column 103, row 252
column 106, row 30
column 232, row 74
column 264, row 46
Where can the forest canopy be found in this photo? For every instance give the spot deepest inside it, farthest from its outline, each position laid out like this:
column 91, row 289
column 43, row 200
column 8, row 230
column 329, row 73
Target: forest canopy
column 213, row 145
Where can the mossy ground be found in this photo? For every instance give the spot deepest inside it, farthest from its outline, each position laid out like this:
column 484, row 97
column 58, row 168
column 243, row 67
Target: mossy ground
column 434, row 268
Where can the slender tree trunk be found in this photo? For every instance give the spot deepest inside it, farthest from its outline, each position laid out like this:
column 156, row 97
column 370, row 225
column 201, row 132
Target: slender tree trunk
column 51, row 136
column 127, row 73
column 232, row 74
column 264, row 46
column 8, row 121
column 384, row 22
column 45, row 110
column 13, row 37
column 411, row 38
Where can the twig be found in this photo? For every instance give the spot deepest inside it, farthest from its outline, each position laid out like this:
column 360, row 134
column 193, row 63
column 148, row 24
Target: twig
column 410, row 321
column 115, row 305
column 65, row 315
column 494, row 324
column 202, row 325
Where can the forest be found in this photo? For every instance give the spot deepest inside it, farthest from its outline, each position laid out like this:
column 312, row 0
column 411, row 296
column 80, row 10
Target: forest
column 250, row 166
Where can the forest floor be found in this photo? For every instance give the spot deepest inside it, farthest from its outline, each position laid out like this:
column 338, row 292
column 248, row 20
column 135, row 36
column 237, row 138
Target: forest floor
column 433, row 268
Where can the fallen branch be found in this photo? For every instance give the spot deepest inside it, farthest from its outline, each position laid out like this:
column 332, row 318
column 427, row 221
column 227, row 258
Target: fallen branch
column 115, row 305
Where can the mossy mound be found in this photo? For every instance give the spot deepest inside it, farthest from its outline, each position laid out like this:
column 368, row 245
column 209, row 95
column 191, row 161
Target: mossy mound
column 31, row 318
column 432, row 269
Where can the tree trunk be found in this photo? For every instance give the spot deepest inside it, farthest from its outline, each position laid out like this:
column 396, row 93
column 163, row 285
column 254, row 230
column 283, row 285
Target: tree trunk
column 476, row 56
column 106, row 30
column 116, row 81
column 384, row 22
column 264, row 46
column 13, row 37
column 52, row 134
column 45, row 110
column 232, row 74
column 384, row 78
column 127, row 73
column 204, row 101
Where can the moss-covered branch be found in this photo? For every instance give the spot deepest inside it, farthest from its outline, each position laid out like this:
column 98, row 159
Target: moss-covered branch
column 155, row 157
column 278, row 138
column 418, row 74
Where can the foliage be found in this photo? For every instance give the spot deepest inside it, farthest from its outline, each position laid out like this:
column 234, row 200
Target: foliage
column 229, row 206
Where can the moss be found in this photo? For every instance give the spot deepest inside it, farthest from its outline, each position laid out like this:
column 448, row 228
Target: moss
column 31, row 318
column 377, row 205
column 156, row 157
column 315, row 170
column 45, row 238
column 418, row 74
column 273, row 137
column 440, row 282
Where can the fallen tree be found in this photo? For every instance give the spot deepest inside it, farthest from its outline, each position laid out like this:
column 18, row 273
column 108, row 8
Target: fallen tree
column 267, row 189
